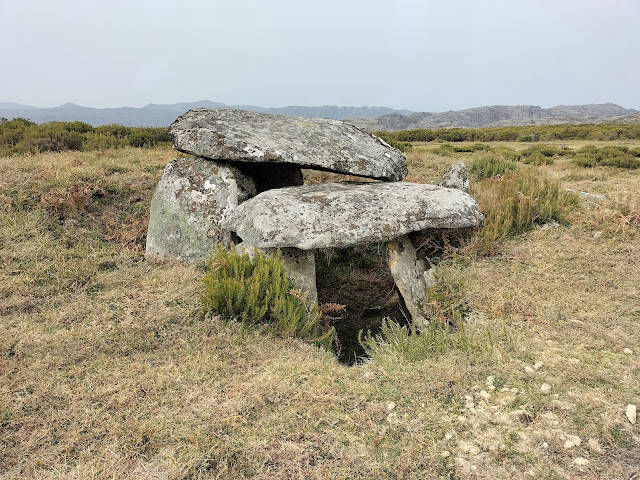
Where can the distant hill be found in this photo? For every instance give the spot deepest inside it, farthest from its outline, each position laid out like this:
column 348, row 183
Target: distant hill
column 153, row 115
column 500, row 116
column 369, row 118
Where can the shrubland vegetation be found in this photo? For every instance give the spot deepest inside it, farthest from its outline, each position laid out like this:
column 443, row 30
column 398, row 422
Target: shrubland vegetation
column 21, row 136
column 534, row 133
column 258, row 291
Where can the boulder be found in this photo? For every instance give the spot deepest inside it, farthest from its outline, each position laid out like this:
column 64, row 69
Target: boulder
column 323, row 144
column 411, row 277
column 300, row 265
column 344, row 214
column 191, row 197
column 456, row 177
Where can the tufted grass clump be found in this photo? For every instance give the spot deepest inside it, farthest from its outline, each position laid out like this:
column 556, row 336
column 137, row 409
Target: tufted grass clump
column 515, row 203
column 448, row 307
column 608, row 156
column 487, row 166
column 259, row 292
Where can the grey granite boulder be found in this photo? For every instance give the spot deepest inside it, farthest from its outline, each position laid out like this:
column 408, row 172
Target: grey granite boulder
column 411, row 277
column 343, row 214
column 190, row 199
column 300, row 265
column 323, row 144
column 456, row 177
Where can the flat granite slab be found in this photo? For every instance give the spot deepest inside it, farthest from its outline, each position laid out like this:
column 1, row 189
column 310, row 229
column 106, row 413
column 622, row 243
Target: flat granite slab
column 317, row 143
column 344, row 214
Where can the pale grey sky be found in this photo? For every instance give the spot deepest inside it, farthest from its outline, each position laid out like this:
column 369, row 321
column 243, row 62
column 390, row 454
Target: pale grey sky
column 423, row 55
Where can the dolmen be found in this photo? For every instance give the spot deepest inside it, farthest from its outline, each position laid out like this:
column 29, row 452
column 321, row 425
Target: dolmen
column 242, row 183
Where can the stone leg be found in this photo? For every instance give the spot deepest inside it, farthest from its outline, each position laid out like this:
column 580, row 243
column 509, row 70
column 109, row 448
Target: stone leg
column 411, row 277
column 191, row 198
column 300, row 265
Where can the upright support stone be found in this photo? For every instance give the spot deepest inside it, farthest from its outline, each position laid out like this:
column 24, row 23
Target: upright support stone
column 456, row 177
column 300, row 265
column 411, row 277
column 192, row 197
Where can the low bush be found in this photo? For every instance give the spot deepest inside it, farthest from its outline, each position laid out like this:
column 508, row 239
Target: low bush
column 490, row 165
column 609, row 156
column 259, row 292
column 21, row 136
column 515, row 203
column 530, row 133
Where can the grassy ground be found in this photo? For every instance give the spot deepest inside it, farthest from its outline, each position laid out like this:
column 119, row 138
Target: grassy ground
column 107, row 372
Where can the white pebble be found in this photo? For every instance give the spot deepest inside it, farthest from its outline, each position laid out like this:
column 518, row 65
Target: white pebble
column 545, row 388
column 631, row 413
column 572, row 441
column 581, row 462
column 538, row 366
column 529, row 370
column 391, row 406
column 445, row 454
column 628, row 351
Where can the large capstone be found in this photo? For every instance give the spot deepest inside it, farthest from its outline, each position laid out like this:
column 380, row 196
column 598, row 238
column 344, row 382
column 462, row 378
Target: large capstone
column 190, row 199
column 344, row 214
column 323, row 144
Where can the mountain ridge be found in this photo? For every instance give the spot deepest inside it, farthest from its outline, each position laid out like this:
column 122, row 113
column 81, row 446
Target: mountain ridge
column 162, row 115
column 366, row 117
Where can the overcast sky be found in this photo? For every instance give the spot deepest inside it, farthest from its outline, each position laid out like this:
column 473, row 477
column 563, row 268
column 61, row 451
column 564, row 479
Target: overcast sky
column 423, row 55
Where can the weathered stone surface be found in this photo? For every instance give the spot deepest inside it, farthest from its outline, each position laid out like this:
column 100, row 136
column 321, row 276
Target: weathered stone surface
column 300, row 265
column 191, row 197
column 411, row 277
column 242, row 136
column 456, row 177
column 343, row 214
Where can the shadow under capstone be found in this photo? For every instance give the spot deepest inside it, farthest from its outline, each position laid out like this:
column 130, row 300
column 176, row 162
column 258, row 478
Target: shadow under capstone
column 359, row 279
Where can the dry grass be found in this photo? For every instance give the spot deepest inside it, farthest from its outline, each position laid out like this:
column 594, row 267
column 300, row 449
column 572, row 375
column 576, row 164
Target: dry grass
column 106, row 371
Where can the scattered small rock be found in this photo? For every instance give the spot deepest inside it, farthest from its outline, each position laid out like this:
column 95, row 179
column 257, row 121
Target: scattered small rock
column 545, row 388
column 523, row 416
column 550, row 225
column 538, row 365
column 594, row 446
column 445, row 454
column 631, row 413
column 628, row 351
column 485, row 395
column 529, row 371
column 391, row 406
column 544, row 445
column 572, row 441
column 581, row 462
column 490, row 383
column 597, row 234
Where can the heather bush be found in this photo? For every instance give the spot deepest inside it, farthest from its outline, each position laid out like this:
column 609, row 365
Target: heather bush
column 259, row 292
column 489, row 165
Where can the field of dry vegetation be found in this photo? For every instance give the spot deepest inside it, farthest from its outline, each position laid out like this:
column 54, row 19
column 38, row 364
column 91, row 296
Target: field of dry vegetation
column 108, row 371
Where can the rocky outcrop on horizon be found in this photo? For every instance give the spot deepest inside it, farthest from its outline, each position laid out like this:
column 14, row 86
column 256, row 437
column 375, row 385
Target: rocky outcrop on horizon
column 500, row 116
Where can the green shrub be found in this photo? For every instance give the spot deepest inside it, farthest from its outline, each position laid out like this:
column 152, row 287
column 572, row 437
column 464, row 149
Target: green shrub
column 530, row 133
column 487, row 166
column 507, row 153
column 447, row 297
column 611, row 156
column 515, row 203
column 259, row 292
column 20, row 136
column 537, row 158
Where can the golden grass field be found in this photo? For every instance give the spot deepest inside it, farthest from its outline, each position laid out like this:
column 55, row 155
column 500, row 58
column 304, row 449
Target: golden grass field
column 107, row 371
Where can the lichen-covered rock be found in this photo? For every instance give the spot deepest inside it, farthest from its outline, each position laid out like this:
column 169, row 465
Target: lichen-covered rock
column 411, row 277
column 456, row 177
column 300, row 265
column 344, row 214
column 190, row 199
column 242, row 136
